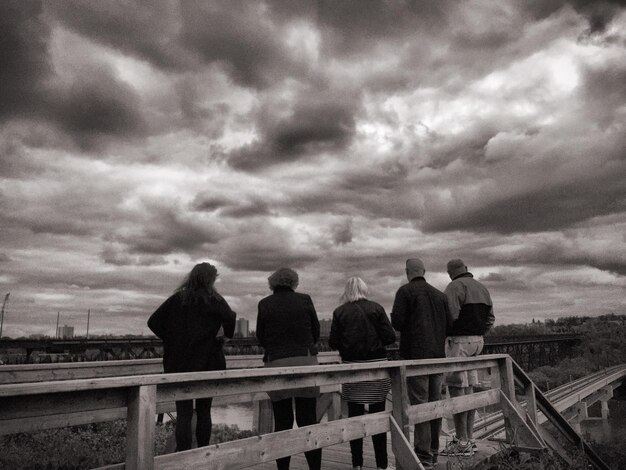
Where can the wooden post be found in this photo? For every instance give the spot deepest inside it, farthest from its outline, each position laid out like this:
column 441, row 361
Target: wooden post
column 400, row 399
column 531, row 402
column 263, row 417
column 400, row 412
column 507, row 387
column 507, row 383
column 140, row 432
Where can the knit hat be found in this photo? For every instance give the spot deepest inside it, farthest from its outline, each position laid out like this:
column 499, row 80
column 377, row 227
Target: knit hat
column 456, row 267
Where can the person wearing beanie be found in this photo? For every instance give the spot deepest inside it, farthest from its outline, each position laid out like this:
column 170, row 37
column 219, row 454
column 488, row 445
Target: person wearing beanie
column 472, row 313
column 420, row 313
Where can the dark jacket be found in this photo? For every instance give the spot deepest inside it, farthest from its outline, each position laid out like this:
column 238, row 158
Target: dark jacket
column 189, row 333
column 470, row 306
column 420, row 313
column 360, row 331
column 287, row 325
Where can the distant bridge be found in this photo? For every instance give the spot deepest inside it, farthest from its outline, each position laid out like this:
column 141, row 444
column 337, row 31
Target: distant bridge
column 528, row 351
column 46, row 396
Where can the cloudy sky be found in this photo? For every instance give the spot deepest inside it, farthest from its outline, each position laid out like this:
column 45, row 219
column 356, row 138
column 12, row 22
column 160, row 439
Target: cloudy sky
column 334, row 137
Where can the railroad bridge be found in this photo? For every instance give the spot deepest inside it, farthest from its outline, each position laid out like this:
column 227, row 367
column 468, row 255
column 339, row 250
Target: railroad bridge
column 528, row 351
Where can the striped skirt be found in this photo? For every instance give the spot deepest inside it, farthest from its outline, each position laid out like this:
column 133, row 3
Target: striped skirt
column 368, row 391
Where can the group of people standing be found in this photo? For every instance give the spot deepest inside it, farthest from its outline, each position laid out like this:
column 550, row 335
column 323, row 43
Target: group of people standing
column 432, row 324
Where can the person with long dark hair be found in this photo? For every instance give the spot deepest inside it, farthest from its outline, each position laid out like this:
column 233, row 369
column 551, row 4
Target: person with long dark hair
column 188, row 322
column 360, row 330
column 288, row 329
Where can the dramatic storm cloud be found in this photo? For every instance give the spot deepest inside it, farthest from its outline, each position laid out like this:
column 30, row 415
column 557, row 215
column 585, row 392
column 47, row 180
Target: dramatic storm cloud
column 337, row 138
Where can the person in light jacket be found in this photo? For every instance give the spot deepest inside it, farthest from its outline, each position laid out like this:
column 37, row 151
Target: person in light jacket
column 360, row 330
column 288, row 329
column 188, row 323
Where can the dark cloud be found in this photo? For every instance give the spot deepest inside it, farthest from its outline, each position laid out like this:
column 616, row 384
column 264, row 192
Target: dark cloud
column 604, row 91
column 206, row 202
column 4, row 258
column 96, row 105
column 264, row 247
column 239, row 36
column 118, row 257
column 142, row 28
column 24, row 62
column 313, row 126
column 168, row 231
column 342, row 233
column 599, row 13
column 351, row 26
column 547, row 208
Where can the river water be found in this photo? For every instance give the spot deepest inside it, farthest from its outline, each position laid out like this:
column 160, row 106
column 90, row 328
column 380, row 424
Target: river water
column 612, row 430
column 239, row 414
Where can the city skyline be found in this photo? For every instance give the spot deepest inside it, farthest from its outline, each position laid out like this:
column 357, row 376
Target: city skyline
column 336, row 138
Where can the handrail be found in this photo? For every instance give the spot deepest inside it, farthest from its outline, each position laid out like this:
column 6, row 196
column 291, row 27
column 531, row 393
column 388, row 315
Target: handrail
column 27, row 404
column 556, row 395
column 560, row 423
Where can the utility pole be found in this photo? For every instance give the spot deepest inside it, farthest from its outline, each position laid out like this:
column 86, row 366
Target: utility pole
column 88, row 314
column 56, row 332
column 4, row 305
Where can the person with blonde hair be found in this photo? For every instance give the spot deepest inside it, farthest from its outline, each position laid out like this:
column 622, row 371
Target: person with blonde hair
column 360, row 330
column 188, row 322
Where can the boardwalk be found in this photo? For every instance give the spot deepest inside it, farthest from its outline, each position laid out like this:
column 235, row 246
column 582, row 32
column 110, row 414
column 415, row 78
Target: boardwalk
column 41, row 397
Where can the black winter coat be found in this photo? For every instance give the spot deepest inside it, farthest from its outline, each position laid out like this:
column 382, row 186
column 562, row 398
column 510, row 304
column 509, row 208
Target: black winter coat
column 287, row 325
column 189, row 333
column 360, row 331
column 421, row 315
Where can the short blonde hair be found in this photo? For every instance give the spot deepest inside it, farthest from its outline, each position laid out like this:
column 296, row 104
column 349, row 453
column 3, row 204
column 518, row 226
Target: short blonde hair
column 356, row 289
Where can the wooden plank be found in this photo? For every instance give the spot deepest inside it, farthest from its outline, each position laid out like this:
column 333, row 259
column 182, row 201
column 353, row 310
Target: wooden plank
column 459, row 364
column 441, row 408
column 531, row 402
column 266, row 448
column 26, row 373
column 402, row 449
column 140, row 430
column 439, row 365
column 232, row 386
column 14, row 407
column 519, row 431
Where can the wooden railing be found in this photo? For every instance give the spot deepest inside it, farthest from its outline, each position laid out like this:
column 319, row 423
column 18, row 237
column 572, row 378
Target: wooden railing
column 30, row 406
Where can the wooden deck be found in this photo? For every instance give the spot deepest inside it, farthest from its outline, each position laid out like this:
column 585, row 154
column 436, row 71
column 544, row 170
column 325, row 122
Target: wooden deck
column 338, row 457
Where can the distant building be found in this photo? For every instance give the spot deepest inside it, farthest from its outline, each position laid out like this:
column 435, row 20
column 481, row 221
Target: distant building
column 242, row 328
column 65, row 332
column 325, row 327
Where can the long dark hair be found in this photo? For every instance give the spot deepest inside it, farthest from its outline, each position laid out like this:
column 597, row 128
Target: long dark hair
column 198, row 284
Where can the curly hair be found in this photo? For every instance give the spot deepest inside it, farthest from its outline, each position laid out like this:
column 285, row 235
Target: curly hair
column 284, row 277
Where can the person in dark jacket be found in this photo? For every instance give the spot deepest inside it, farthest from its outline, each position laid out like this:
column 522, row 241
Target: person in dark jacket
column 420, row 313
column 288, row 329
column 188, row 323
column 360, row 330
column 472, row 312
